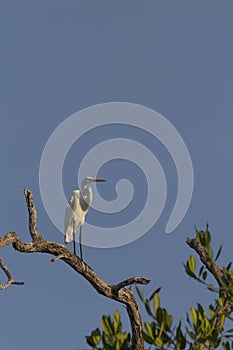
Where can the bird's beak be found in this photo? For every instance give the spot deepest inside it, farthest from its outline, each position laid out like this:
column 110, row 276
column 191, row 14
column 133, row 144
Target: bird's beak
column 100, row 180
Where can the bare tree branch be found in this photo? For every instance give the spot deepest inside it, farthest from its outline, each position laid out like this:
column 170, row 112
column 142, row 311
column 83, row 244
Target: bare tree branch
column 32, row 215
column 59, row 251
column 11, row 279
column 56, row 258
column 130, row 281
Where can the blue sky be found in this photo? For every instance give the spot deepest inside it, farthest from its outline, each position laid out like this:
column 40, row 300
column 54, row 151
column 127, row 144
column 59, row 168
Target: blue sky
column 58, row 57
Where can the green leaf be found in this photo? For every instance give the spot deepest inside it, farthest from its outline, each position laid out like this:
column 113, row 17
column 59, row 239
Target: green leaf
column 158, row 342
column 116, row 321
column 156, row 302
column 207, row 238
column 109, row 341
column 140, row 294
column 200, row 309
column 201, row 237
column 155, row 292
column 94, row 339
column 107, row 326
column 226, row 346
column 90, row 341
column 147, row 306
column 161, row 330
column 188, row 271
column 193, row 315
column 191, row 334
column 211, row 311
column 170, row 319
column 191, row 263
column 218, row 253
column 205, row 325
column 148, row 329
column 147, row 338
column 200, row 271
column 180, row 338
column 160, row 315
column 221, row 323
column 165, row 316
column 96, row 336
column 210, row 252
column 204, row 275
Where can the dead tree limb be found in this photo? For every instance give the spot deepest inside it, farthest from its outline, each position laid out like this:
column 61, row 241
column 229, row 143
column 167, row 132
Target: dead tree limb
column 59, row 251
column 32, row 215
column 130, row 281
column 11, row 279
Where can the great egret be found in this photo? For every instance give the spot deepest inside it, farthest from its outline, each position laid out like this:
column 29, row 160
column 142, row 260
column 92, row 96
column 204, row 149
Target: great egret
column 76, row 211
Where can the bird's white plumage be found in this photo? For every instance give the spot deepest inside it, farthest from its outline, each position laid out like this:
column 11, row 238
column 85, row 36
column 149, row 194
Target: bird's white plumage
column 77, row 209
column 74, row 216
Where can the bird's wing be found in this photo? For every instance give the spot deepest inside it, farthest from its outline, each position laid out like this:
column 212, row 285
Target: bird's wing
column 70, row 216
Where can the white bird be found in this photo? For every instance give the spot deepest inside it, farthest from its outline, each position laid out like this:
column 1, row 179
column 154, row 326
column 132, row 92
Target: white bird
column 76, row 211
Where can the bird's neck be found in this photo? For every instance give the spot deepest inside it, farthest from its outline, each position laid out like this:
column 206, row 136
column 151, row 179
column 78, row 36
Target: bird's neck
column 86, row 198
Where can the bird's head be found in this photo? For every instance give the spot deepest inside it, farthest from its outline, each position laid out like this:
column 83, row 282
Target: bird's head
column 89, row 179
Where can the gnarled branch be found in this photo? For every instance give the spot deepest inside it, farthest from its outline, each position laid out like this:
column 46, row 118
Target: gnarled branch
column 11, row 279
column 32, row 215
column 59, row 251
column 130, row 281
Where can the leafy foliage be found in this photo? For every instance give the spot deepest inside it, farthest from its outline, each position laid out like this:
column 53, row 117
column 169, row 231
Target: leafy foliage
column 112, row 337
column 202, row 329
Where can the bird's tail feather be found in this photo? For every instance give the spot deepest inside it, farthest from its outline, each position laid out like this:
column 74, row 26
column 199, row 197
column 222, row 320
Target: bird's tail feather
column 69, row 235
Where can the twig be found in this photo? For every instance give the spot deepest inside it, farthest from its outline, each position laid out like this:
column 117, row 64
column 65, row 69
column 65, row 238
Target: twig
column 56, row 258
column 9, row 276
column 32, row 215
column 130, row 281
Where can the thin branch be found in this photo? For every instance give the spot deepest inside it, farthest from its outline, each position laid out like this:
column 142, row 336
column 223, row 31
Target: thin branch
column 56, row 258
column 60, row 252
column 130, row 281
column 11, row 279
column 32, row 215
column 213, row 268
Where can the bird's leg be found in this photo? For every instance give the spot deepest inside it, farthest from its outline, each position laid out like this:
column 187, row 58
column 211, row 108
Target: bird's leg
column 80, row 243
column 74, row 243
